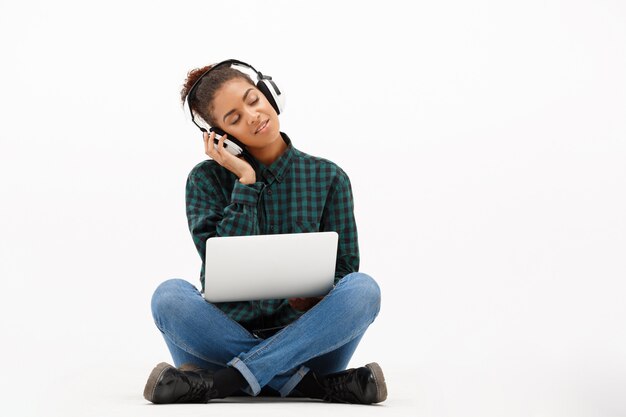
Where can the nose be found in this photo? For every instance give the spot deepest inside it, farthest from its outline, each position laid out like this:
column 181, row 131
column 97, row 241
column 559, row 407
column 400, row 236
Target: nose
column 253, row 116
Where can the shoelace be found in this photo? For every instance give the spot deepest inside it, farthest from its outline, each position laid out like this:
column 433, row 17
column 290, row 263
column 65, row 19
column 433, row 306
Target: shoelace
column 337, row 388
column 199, row 390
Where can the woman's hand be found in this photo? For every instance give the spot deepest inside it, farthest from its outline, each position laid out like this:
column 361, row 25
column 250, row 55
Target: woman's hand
column 238, row 166
column 304, row 304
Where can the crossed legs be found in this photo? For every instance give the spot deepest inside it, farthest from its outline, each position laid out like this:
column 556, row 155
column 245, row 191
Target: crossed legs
column 323, row 339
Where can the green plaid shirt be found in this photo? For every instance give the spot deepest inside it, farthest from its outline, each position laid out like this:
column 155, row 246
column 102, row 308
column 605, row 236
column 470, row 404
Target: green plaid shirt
column 297, row 193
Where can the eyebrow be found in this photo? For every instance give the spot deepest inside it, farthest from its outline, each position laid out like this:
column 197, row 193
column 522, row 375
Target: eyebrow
column 244, row 99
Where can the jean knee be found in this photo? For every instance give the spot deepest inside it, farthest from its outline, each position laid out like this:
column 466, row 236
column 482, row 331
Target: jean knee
column 367, row 291
column 167, row 298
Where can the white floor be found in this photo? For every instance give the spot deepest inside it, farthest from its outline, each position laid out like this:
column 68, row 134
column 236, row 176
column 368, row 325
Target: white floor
column 103, row 391
column 120, row 394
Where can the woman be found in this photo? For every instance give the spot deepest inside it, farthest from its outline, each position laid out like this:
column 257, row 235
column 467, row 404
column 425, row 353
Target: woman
column 296, row 347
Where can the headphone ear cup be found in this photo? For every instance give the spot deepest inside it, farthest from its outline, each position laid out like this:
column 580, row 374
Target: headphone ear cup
column 272, row 93
column 217, row 131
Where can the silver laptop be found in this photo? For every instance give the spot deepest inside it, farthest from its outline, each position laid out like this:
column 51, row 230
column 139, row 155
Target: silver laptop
column 261, row 267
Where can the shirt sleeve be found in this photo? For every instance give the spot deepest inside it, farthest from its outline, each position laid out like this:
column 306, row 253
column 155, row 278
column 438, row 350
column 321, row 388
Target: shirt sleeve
column 211, row 213
column 338, row 216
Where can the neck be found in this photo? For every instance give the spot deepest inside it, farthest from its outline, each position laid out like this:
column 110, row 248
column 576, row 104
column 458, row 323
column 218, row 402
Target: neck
column 270, row 153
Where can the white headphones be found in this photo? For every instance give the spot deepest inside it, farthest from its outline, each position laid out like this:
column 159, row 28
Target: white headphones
column 264, row 83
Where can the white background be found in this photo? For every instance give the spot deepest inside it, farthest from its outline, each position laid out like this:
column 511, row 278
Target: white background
column 485, row 142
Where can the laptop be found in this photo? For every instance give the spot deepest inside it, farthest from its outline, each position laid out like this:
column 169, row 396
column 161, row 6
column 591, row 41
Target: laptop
column 261, row 267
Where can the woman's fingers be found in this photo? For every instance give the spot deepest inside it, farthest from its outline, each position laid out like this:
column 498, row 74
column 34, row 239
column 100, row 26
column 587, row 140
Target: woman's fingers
column 212, row 150
column 219, row 154
column 208, row 143
column 304, row 304
column 220, row 145
column 217, row 151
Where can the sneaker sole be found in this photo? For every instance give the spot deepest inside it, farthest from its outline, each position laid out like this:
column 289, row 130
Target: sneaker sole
column 155, row 376
column 381, row 386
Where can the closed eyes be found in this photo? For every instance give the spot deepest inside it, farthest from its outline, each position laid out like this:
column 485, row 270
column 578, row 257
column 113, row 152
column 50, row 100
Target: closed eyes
column 252, row 103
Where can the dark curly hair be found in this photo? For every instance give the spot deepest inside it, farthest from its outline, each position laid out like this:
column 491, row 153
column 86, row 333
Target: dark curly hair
column 203, row 95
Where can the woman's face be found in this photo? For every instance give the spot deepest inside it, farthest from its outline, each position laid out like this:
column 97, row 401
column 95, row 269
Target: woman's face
column 242, row 111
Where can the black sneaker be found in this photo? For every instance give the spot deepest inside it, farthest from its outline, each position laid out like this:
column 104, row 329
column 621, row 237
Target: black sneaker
column 365, row 385
column 166, row 385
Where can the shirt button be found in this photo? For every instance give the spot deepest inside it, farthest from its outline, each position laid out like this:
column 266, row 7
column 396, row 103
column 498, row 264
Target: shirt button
column 269, row 191
column 272, row 227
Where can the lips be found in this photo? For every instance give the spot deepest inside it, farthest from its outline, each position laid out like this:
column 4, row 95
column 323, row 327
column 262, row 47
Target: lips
column 261, row 127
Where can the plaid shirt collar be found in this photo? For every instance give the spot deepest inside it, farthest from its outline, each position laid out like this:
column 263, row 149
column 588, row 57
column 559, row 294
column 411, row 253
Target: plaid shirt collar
column 279, row 168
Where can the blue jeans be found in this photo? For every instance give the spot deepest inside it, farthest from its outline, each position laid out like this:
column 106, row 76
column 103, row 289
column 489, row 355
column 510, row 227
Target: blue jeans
column 322, row 339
